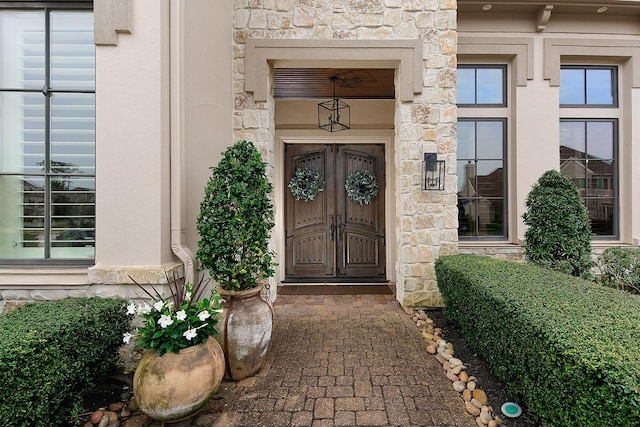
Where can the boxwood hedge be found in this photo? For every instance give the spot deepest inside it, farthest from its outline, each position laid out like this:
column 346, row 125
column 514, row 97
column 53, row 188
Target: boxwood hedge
column 52, row 352
column 567, row 348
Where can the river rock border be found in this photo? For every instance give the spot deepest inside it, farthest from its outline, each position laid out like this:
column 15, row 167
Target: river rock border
column 475, row 399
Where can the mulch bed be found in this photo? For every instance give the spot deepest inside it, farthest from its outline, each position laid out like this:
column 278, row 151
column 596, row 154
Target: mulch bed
column 496, row 391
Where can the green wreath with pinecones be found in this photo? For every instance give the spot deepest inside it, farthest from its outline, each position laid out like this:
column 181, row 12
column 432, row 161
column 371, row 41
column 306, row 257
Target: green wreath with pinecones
column 362, row 186
column 306, row 184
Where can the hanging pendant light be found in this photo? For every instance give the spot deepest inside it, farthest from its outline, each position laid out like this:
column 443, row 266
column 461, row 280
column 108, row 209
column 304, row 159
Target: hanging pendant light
column 334, row 115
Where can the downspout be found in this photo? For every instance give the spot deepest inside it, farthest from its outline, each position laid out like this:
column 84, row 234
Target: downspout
column 177, row 155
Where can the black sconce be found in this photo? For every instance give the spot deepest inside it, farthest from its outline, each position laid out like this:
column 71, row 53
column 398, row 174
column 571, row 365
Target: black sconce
column 432, row 172
column 334, row 115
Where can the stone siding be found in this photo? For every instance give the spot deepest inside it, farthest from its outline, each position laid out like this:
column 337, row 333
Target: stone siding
column 426, row 222
column 98, row 281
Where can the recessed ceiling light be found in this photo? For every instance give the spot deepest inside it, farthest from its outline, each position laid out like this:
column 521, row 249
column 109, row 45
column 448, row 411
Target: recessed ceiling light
column 487, row 7
column 602, row 9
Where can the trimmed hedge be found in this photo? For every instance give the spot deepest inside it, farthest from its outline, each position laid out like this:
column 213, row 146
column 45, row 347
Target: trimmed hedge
column 569, row 349
column 52, row 352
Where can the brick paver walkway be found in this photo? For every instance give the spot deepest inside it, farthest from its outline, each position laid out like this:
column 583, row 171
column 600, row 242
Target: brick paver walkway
column 340, row 360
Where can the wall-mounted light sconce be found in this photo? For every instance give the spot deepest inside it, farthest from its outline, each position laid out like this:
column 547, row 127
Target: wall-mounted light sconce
column 433, row 172
column 334, row 115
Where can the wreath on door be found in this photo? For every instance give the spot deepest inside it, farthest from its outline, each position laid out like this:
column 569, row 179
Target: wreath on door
column 362, row 186
column 306, row 184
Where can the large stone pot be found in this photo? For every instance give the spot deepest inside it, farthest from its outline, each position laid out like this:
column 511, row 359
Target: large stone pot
column 176, row 386
column 244, row 331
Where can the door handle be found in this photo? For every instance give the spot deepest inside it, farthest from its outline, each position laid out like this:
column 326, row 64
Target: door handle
column 332, row 229
column 340, row 227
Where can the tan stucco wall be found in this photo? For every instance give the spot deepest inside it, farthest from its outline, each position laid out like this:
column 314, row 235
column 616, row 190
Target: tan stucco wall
column 195, row 113
column 132, row 143
column 208, row 101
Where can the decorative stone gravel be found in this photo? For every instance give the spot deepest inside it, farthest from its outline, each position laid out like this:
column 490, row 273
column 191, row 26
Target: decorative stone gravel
column 118, row 414
column 475, row 399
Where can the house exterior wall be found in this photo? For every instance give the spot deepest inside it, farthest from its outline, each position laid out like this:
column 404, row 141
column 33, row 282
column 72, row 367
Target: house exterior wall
column 173, row 90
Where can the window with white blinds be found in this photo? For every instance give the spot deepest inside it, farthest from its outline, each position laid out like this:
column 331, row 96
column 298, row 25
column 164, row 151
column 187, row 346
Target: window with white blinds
column 47, row 133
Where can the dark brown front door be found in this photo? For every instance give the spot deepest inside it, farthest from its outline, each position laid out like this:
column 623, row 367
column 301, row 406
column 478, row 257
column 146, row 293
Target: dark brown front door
column 333, row 238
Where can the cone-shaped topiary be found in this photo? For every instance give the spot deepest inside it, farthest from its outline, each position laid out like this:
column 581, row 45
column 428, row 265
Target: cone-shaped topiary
column 558, row 236
column 235, row 220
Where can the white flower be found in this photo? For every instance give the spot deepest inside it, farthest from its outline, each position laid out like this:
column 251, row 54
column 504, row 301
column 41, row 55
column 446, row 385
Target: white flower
column 131, row 309
column 144, row 309
column 204, row 315
column 165, row 321
column 158, row 305
column 181, row 315
column 127, row 337
column 189, row 334
column 187, row 296
column 218, row 310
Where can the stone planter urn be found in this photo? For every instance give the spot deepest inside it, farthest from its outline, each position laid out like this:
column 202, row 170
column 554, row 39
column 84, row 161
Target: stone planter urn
column 244, row 331
column 175, row 387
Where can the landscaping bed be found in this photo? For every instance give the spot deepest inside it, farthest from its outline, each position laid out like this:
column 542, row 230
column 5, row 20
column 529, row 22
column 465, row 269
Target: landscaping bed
column 567, row 348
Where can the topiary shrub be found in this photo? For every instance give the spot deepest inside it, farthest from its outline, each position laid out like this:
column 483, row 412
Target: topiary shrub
column 235, row 220
column 620, row 268
column 52, row 352
column 559, row 232
column 565, row 347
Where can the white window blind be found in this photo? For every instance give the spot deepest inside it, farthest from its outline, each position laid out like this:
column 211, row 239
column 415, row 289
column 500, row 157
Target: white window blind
column 47, row 145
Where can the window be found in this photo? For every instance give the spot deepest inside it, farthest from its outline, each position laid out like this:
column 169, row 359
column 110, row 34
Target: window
column 481, row 85
column 482, row 141
column 481, row 177
column 589, row 140
column 587, row 156
column 47, row 132
column 588, row 86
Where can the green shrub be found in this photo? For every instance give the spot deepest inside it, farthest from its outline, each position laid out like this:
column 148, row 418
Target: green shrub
column 567, row 348
column 235, row 220
column 52, row 352
column 620, row 268
column 559, row 232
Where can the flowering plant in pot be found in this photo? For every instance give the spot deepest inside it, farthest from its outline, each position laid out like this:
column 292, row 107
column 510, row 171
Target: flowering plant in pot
column 180, row 320
column 235, row 221
column 175, row 332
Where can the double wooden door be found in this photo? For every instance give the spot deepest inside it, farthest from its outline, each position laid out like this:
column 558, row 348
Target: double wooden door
column 332, row 238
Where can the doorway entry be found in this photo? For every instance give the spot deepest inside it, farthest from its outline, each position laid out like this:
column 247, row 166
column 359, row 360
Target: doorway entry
column 333, row 238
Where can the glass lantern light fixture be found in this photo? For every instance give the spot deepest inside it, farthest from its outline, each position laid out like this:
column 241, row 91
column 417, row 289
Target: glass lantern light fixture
column 334, row 115
column 433, row 172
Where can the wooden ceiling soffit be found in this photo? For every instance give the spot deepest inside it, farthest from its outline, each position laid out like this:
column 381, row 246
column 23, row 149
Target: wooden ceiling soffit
column 403, row 55
column 316, row 83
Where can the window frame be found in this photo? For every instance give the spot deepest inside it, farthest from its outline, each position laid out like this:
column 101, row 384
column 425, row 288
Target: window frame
column 616, row 171
column 491, row 112
column 615, row 85
column 505, row 208
column 47, row 7
column 503, row 68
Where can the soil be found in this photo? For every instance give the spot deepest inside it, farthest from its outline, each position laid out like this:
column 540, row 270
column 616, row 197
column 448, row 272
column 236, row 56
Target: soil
column 116, row 388
column 477, row 366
